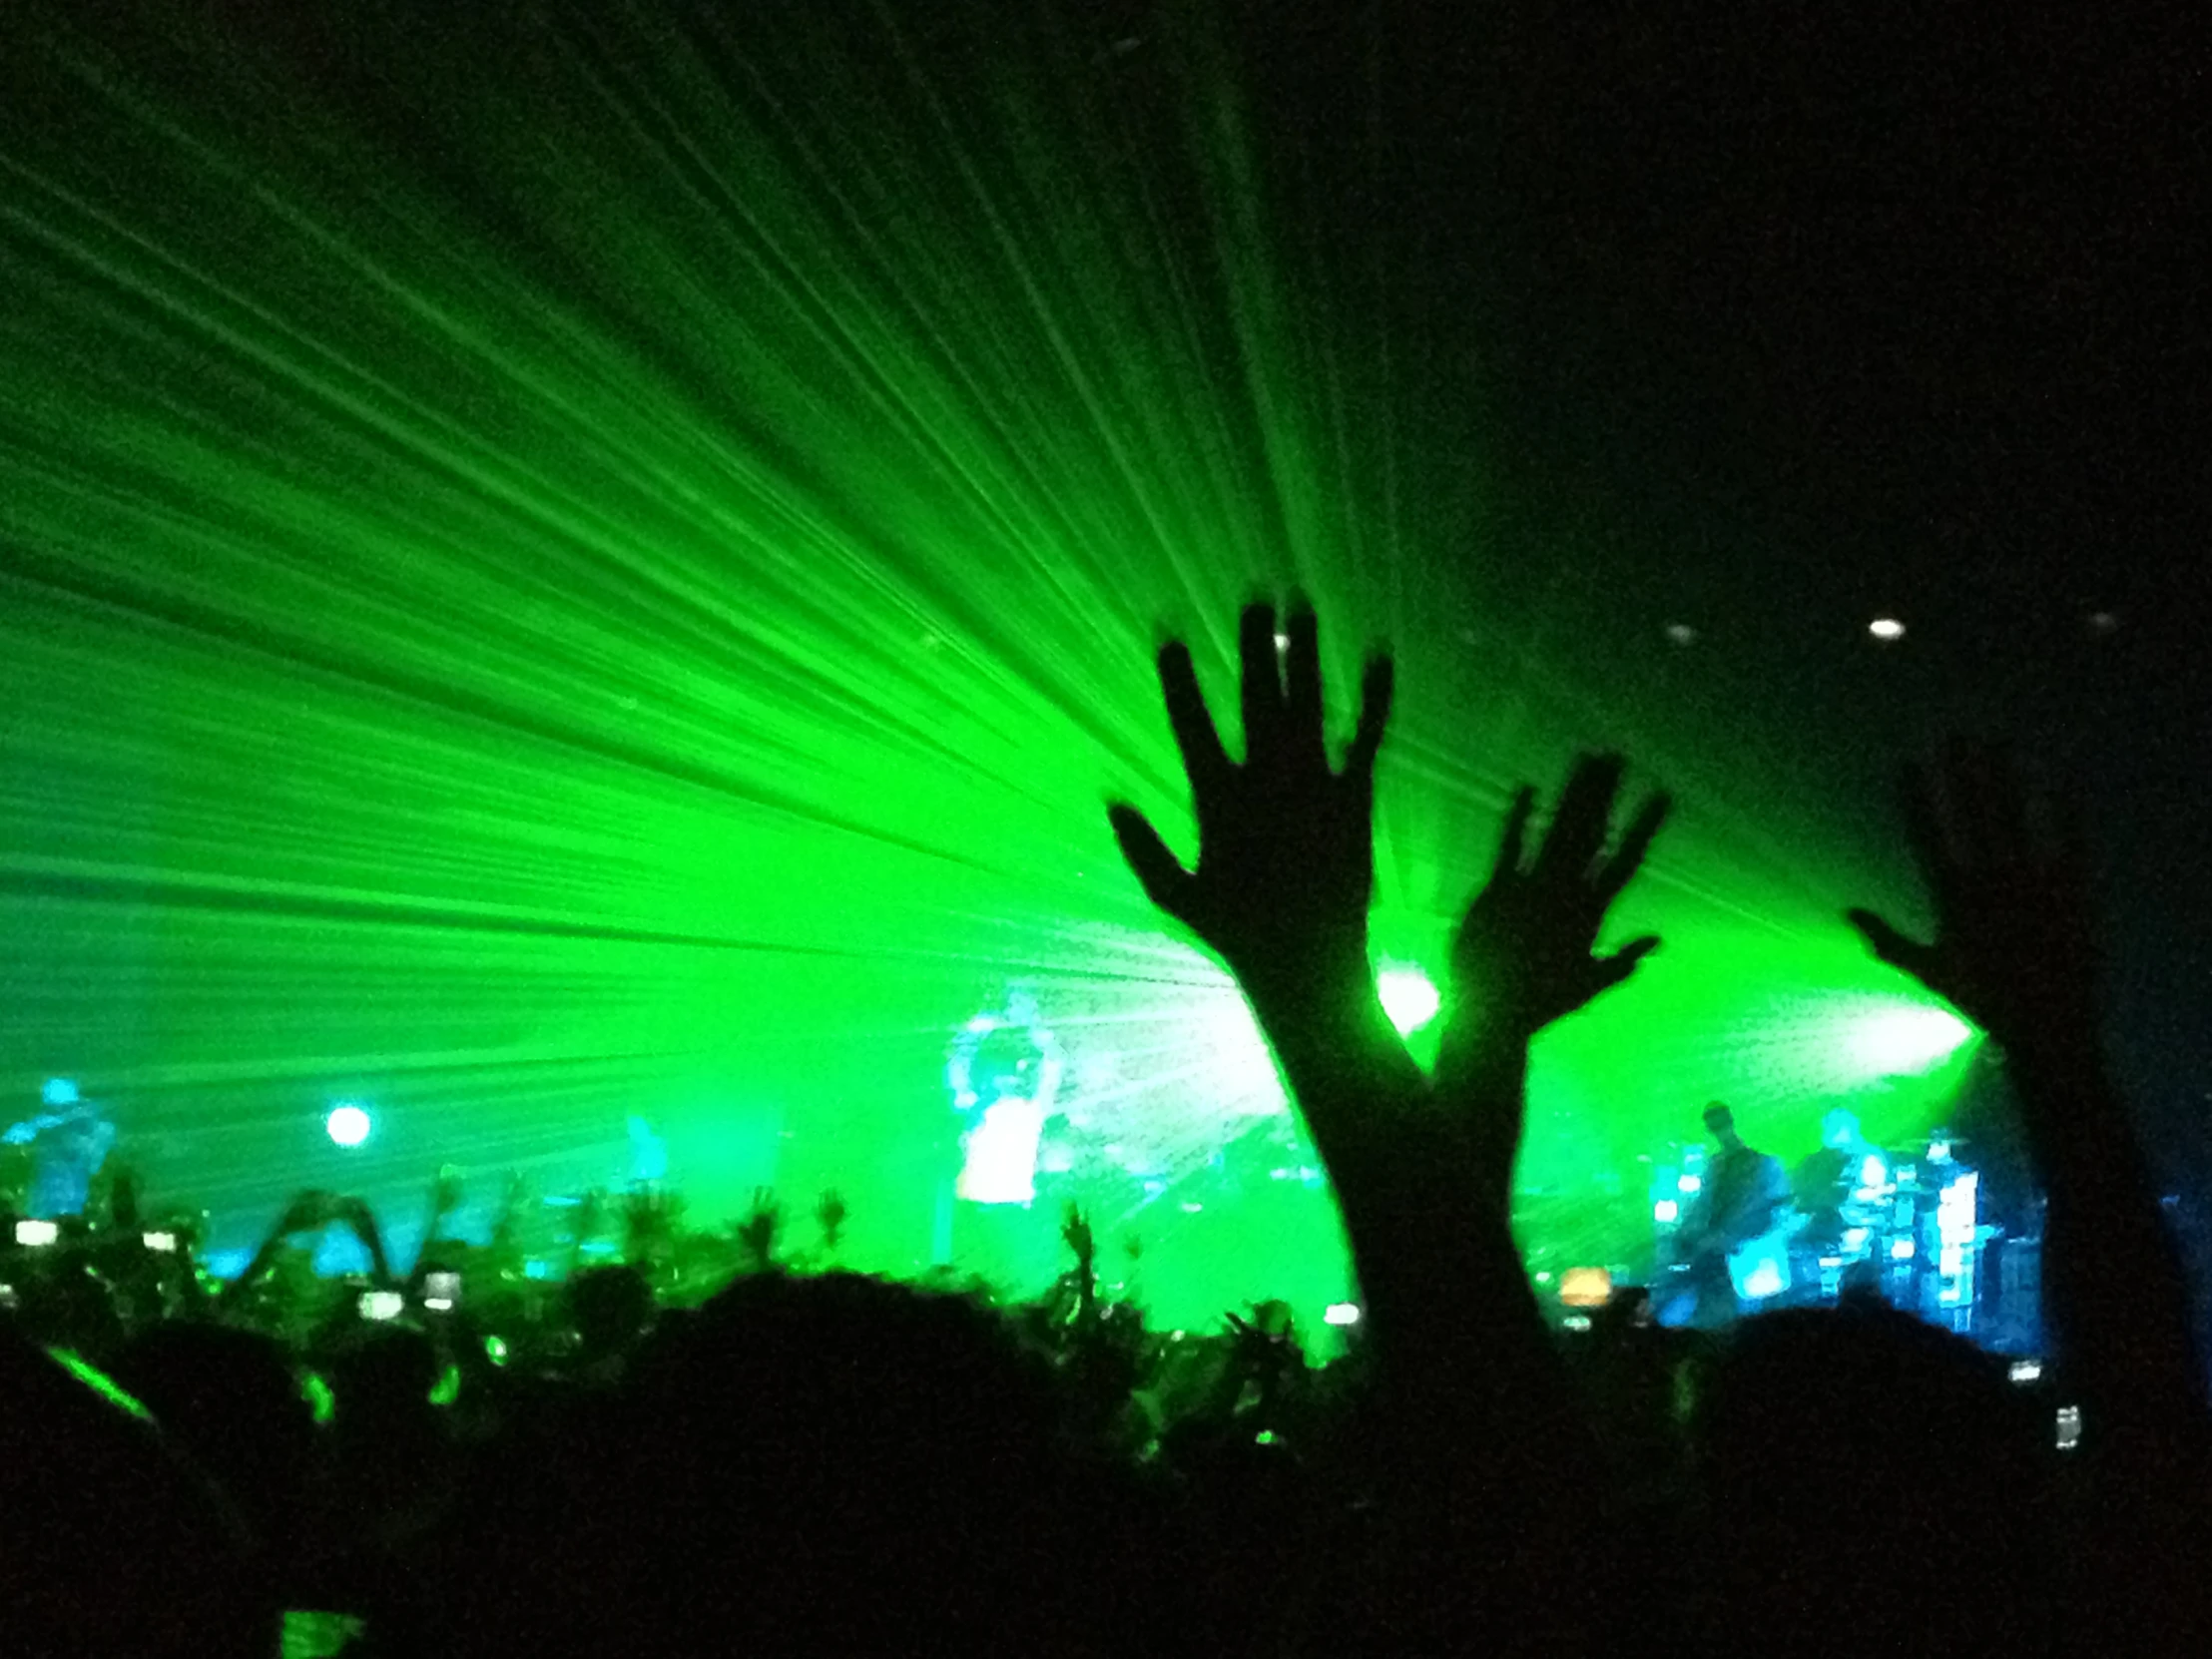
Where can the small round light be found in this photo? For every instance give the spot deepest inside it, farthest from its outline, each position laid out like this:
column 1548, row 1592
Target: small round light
column 1886, row 628
column 348, row 1125
column 1680, row 633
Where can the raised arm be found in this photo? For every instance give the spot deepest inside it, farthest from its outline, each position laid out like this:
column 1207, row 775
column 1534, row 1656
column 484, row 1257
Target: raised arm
column 2015, row 950
column 308, row 1212
column 1525, row 954
column 1280, row 890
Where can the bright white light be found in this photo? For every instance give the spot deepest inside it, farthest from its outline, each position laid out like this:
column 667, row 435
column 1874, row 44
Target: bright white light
column 1281, row 642
column 1905, row 1039
column 1764, row 1281
column 381, row 1304
column 163, row 1242
column 1871, row 1172
column 1341, row 1312
column 1409, row 997
column 1576, row 1322
column 1901, row 1250
column 1955, row 1212
column 348, row 1125
column 1886, row 628
column 2069, row 1427
column 2025, row 1371
column 1690, row 1184
column 34, row 1233
column 438, row 1304
column 1665, row 1210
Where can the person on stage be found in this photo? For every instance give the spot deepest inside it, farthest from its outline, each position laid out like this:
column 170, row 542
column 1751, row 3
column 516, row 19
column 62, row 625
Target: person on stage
column 69, row 1139
column 1741, row 1211
column 1005, row 1076
column 1842, row 1186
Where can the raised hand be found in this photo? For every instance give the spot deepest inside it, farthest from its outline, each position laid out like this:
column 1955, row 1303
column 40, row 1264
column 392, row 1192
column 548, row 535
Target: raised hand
column 2014, row 947
column 829, row 1215
column 1285, row 861
column 756, row 1233
column 1525, row 954
column 1075, row 1232
column 308, row 1211
column 446, row 1194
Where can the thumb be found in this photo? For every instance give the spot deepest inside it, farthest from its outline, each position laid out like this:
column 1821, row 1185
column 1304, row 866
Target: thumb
column 1907, row 954
column 1158, row 871
column 1613, row 969
column 1623, row 961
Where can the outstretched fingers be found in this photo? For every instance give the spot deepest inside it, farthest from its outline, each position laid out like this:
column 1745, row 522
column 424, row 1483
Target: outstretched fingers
column 1512, row 842
column 1266, row 710
column 1907, row 954
column 1621, row 868
column 1162, row 876
column 1302, row 670
column 1579, row 825
column 1987, row 802
column 1377, row 686
column 1615, row 969
column 1935, row 849
column 1204, row 759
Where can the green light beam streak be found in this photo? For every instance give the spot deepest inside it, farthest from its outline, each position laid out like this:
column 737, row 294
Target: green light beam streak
column 643, row 565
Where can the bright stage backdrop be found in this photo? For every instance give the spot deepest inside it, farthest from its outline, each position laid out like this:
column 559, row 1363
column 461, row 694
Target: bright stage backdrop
column 607, row 564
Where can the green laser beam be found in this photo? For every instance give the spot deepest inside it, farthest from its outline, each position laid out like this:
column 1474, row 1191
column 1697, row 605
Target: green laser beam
column 606, row 560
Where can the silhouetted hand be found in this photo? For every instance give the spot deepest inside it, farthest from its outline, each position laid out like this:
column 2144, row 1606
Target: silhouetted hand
column 308, row 1212
column 1075, row 1230
column 756, row 1233
column 2013, row 949
column 1286, row 863
column 1527, row 953
column 445, row 1192
column 1258, row 1344
column 831, row 1213
column 353, row 1212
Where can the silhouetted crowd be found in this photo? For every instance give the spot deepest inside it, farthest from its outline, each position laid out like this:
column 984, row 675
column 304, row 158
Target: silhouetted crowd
column 723, row 1442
